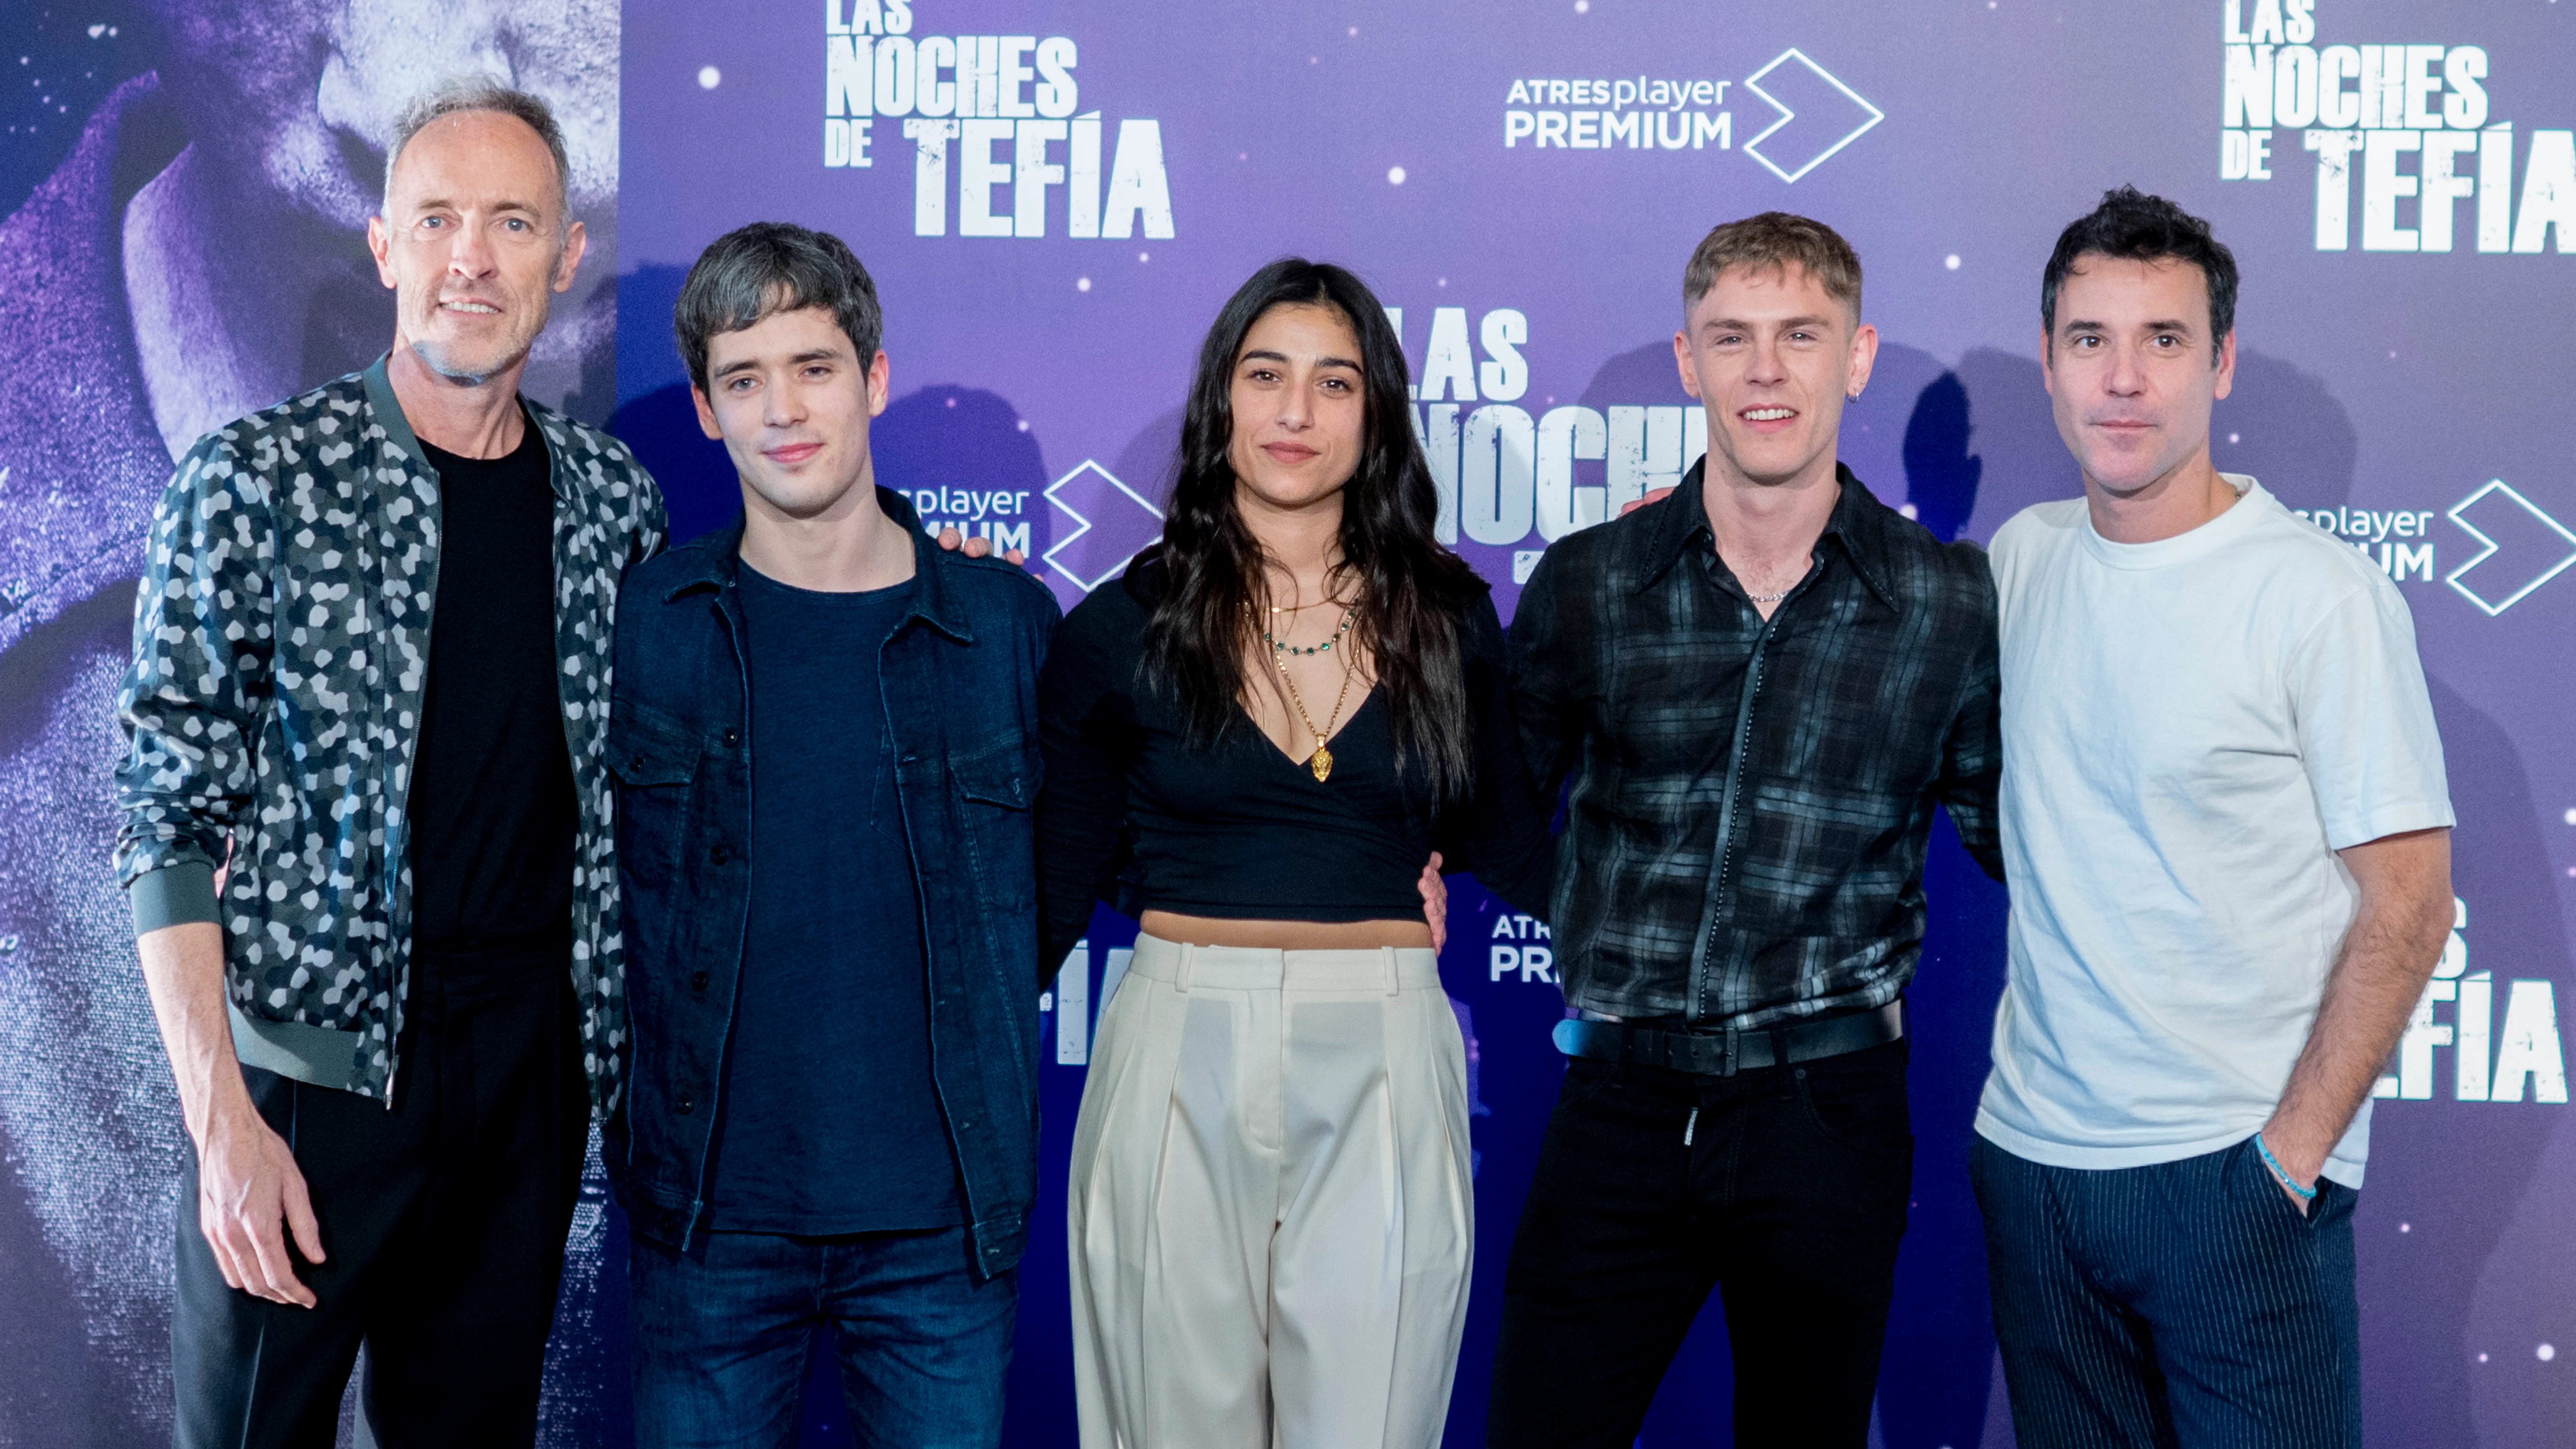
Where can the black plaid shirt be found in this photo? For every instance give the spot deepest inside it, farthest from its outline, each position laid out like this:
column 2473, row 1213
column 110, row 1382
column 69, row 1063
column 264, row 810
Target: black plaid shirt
column 1752, row 801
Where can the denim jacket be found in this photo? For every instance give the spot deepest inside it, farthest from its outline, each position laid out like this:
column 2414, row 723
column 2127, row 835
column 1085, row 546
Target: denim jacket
column 960, row 685
column 281, row 649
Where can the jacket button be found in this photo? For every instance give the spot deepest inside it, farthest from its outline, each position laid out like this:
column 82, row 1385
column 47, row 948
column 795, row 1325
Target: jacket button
column 688, row 1105
column 697, row 981
column 636, row 763
column 912, row 759
column 717, row 855
column 732, row 738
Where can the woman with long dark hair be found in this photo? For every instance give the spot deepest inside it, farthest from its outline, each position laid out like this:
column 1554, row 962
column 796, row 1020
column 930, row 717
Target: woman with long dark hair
column 1271, row 721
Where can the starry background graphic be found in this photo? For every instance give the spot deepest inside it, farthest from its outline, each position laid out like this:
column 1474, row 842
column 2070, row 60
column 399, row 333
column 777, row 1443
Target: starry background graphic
column 56, row 64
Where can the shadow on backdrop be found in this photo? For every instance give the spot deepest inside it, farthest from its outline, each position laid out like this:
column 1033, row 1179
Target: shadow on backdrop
column 661, row 430
column 1151, row 460
column 2012, row 435
column 958, row 437
column 1940, row 473
column 1906, row 439
column 655, row 419
column 1935, row 1388
column 2480, row 1264
column 1640, row 377
column 2286, row 429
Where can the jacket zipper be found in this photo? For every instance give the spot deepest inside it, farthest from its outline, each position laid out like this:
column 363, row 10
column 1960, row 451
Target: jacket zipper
column 399, row 843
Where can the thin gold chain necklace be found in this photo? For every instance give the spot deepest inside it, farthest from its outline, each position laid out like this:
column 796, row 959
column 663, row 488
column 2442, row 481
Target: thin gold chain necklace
column 1321, row 762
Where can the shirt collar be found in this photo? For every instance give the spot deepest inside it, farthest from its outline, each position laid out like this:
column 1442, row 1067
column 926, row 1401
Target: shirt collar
column 1858, row 525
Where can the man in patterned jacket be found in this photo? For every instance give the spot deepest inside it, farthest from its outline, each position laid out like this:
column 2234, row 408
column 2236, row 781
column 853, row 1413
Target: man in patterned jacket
column 365, row 829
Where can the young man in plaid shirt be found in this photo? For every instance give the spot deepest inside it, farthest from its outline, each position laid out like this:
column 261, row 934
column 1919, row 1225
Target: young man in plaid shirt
column 1760, row 686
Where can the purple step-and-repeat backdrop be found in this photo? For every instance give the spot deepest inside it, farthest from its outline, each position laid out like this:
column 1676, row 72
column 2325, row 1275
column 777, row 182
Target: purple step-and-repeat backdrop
column 1056, row 197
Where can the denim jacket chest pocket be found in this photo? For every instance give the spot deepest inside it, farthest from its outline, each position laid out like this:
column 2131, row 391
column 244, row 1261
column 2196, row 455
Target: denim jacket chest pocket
column 1003, row 772
column 655, row 758
column 997, row 785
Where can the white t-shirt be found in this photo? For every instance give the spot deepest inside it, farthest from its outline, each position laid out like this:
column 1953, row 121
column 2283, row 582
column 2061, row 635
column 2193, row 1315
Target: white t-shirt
column 2191, row 729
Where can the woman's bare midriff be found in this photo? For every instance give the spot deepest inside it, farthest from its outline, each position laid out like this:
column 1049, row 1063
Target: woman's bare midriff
column 1286, row 935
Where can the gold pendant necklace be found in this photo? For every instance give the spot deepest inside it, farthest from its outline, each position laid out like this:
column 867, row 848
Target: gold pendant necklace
column 1321, row 762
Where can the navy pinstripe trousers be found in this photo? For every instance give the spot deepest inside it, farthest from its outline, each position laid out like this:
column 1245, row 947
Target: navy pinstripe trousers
column 2185, row 1305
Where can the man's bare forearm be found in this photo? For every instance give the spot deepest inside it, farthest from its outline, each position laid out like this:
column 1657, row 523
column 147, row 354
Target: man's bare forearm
column 250, row 1194
column 183, row 966
column 2387, row 956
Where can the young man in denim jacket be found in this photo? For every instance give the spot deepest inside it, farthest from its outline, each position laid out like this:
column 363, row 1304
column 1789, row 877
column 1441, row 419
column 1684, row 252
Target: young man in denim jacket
column 825, row 738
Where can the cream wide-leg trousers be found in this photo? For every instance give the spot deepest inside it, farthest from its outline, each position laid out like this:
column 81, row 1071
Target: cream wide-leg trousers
column 1270, row 1215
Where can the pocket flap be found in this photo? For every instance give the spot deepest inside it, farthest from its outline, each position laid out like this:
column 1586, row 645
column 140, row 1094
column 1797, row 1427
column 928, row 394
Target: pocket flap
column 1005, row 774
column 648, row 747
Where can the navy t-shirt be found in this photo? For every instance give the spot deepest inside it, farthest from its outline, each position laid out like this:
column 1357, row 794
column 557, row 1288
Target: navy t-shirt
column 831, row 1123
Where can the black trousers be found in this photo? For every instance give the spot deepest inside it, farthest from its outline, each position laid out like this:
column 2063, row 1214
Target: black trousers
column 443, row 1222
column 1788, row 1197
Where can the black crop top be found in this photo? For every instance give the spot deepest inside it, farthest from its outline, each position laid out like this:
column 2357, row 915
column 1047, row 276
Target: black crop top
column 1240, row 831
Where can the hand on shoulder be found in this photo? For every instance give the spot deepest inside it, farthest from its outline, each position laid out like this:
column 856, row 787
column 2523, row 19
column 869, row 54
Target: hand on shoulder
column 955, row 542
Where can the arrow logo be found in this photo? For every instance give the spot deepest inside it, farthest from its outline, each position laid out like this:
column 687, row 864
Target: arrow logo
column 2509, row 523
column 1111, row 525
column 1827, row 102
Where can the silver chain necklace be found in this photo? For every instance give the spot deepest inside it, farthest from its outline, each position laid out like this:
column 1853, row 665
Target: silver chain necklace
column 1784, row 593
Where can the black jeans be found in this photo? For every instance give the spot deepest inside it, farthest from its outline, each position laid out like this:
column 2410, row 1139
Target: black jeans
column 443, row 1220
column 1788, row 1196
column 2185, row 1303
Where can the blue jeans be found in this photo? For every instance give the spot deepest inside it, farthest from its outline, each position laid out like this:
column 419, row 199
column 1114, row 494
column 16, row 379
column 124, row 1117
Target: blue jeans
column 2184, row 1304
column 721, row 1332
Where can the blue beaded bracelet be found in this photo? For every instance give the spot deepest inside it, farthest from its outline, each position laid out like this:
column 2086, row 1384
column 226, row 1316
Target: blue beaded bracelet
column 2305, row 1194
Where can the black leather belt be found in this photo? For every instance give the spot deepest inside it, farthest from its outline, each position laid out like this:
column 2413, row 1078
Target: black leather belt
column 1724, row 1053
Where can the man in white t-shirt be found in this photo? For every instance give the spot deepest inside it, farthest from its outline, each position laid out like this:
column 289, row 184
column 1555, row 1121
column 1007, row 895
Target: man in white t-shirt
column 2227, row 833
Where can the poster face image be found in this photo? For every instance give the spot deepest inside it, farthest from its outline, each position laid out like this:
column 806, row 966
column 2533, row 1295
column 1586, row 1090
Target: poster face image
column 197, row 254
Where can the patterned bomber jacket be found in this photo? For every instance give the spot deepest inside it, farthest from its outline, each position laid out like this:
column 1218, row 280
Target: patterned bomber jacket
column 281, row 647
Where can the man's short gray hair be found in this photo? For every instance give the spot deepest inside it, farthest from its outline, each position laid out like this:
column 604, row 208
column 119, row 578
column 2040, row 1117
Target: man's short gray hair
column 482, row 93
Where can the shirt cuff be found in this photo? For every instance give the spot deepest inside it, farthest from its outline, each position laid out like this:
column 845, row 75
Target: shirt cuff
column 175, row 895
